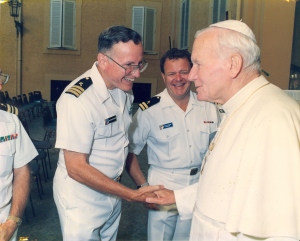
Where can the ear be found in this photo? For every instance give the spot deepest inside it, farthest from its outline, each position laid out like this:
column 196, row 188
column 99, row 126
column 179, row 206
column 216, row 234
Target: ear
column 163, row 76
column 102, row 60
column 236, row 65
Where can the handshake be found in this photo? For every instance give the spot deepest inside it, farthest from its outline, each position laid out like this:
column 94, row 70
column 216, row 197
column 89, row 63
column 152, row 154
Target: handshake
column 152, row 195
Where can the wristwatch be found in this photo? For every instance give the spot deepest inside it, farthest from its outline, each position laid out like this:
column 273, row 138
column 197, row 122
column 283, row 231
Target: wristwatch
column 144, row 184
column 16, row 219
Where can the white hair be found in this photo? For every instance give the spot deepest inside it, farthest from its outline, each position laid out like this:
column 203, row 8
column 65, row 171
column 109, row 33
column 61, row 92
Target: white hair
column 230, row 41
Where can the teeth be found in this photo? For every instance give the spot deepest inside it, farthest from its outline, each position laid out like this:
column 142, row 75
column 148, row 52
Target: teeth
column 128, row 79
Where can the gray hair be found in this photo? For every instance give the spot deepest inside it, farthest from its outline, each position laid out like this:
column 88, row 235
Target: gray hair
column 229, row 42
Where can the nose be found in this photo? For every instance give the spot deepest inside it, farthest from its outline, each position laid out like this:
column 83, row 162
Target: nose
column 192, row 75
column 136, row 73
column 177, row 76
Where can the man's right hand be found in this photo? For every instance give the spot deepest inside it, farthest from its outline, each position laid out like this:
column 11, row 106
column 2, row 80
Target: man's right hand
column 163, row 197
column 148, row 191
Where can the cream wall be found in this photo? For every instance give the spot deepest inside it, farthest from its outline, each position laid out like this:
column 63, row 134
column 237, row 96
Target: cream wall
column 93, row 16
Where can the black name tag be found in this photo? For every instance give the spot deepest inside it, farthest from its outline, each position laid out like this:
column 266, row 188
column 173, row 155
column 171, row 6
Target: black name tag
column 110, row 120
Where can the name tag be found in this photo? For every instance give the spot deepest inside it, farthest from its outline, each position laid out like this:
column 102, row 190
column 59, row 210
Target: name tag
column 165, row 126
column 110, row 120
column 208, row 122
column 8, row 138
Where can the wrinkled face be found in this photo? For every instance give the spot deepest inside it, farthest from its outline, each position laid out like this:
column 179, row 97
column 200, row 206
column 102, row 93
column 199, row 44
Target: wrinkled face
column 125, row 54
column 176, row 78
column 209, row 71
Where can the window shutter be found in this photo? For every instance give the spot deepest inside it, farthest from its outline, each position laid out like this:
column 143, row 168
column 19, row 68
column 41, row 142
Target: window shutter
column 222, row 12
column 184, row 24
column 69, row 31
column 143, row 22
column 149, row 33
column 138, row 20
column 55, row 23
column 219, row 11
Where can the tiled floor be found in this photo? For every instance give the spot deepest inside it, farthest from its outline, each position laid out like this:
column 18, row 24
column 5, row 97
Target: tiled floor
column 45, row 225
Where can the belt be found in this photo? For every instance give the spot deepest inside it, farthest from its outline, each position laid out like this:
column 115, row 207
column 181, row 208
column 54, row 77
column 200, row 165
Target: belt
column 194, row 171
column 118, row 179
column 184, row 171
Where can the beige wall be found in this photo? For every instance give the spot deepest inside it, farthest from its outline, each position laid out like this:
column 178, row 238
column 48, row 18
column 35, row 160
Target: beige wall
column 39, row 63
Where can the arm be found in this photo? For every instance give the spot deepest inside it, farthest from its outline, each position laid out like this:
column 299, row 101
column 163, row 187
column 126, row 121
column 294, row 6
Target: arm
column 135, row 172
column 133, row 168
column 79, row 169
column 21, row 186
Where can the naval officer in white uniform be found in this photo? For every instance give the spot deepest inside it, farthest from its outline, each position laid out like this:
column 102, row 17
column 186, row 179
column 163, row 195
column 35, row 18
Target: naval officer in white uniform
column 93, row 116
column 177, row 129
column 16, row 151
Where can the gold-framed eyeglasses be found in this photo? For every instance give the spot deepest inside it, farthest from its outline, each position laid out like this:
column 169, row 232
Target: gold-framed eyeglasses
column 3, row 78
column 131, row 68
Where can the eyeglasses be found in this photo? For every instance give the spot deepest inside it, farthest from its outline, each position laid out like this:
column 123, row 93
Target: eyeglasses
column 3, row 78
column 131, row 68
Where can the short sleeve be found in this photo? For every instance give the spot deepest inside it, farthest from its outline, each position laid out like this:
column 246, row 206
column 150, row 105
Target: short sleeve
column 138, row 132
column 74, row 129
column 25, row 150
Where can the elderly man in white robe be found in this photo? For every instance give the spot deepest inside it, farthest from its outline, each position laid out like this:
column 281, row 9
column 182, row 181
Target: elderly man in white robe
column 249, row 187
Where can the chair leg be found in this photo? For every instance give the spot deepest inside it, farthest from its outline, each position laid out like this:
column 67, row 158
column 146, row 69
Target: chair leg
column 40, row 181
column 49, row 159
column 46, row 168
column 32, row 208
column 39, row 185
column 26, row 215
column 44, row 171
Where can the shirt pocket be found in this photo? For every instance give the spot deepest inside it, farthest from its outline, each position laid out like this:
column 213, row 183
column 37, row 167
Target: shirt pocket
column 103, row 131
column 7, row 151
column 167, row 140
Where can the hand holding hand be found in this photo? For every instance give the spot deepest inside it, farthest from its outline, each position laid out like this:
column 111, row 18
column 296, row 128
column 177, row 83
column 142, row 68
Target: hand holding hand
column 146, row 191
column 163, row 197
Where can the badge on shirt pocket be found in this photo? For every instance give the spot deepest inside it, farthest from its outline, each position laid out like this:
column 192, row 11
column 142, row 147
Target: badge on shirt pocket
column 110, row 120
column 165, row 126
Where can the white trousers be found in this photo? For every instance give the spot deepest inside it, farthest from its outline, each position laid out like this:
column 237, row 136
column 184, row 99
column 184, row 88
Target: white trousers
column 165, row 224
column 206, row 229
column 84, row 217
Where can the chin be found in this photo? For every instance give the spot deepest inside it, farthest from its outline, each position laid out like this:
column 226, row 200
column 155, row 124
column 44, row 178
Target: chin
column 126, row 87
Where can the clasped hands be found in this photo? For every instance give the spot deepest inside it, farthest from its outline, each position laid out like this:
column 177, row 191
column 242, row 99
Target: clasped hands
column 156, row 195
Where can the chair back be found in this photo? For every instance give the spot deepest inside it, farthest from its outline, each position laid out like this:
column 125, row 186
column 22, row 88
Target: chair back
column 37, row 95
column 25, row 100
column 47, row 116
column 15, row 101
column 2, row 98
column 31, row 97
column 20, row 100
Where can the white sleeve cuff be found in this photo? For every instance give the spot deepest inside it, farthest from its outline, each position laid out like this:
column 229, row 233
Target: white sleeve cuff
column 185, row 201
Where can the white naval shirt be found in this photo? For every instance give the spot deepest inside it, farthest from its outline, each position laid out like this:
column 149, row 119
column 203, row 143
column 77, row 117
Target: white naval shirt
column 93, row 124
column 175, row 139
column 16, row 150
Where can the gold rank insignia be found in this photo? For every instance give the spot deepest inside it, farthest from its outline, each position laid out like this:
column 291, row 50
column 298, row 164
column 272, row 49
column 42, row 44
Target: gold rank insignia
column 145, row 105
column 78, row 88
column 9, row 108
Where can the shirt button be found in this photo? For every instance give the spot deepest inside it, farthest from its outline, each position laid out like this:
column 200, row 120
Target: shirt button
column 188, row 130
column 190, row 146
column 167, row 136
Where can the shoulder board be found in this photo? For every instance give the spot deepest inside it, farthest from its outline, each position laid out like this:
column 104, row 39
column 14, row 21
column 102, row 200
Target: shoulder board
column 145, row 105
column 9, row 108
column 78, row 88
